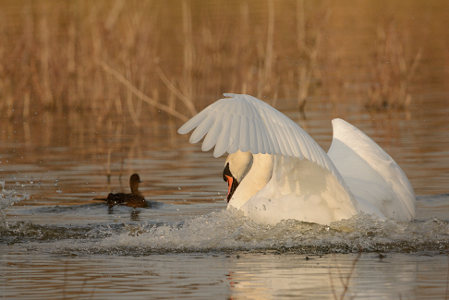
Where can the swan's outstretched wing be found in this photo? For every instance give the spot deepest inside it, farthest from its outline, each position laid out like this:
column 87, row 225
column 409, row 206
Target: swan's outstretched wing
column 245, row 123
column 374, row 178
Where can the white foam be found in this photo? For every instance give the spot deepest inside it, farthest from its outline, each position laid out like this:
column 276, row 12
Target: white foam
column 225, row 230
column 190, row 228
column 8, row 198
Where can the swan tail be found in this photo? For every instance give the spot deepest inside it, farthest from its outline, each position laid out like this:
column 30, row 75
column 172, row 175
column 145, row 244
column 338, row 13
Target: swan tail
column 379, row 185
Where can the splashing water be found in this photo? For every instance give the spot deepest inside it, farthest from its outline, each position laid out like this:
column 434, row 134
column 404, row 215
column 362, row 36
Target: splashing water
column 225, row 231
column 7, row 199
column 228, row 231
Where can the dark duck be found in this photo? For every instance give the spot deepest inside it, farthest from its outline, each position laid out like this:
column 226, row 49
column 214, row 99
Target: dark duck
column 134, row 199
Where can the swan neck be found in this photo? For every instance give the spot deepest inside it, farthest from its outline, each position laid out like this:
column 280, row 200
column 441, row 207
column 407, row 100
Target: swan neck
column 256, row 178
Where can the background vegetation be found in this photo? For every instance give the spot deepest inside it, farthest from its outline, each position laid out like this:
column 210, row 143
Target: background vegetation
column 139, row 58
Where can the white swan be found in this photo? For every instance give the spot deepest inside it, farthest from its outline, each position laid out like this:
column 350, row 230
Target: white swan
column 276, row 171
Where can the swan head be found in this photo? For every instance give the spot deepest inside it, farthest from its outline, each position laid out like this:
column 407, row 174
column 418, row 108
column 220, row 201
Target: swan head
column 236, row 166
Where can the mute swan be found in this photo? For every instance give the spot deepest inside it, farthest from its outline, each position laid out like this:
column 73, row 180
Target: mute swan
column 276, row 171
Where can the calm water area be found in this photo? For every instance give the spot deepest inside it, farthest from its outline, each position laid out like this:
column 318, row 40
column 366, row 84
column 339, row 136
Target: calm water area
column 56, row 242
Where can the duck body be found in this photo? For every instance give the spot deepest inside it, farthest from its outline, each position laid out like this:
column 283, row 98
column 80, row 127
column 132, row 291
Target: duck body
column 132, row 200
column 276, row 171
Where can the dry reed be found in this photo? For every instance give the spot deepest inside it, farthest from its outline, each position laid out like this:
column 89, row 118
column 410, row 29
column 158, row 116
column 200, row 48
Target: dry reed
column 308, row 43
column 392, row 71
column 175, row 57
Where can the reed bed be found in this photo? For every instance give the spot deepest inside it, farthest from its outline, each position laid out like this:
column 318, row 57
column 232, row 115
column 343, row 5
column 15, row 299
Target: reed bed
column 141, row 58
column 392, row 71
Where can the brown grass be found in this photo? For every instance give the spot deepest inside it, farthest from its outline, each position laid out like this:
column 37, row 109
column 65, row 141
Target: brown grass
column 308, row 44
column 392, row 71
column 140, row 58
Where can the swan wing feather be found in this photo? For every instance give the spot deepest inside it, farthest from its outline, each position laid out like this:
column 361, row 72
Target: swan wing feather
column 372, row 175
column 260, row 129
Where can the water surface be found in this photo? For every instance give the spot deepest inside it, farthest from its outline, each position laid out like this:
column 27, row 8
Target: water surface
column 57, row 242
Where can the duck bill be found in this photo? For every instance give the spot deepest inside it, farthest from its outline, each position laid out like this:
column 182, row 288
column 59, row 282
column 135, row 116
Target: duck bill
column 232, row 186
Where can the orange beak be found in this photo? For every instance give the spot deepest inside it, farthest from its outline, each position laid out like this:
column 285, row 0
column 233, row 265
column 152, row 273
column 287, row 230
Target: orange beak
column 229, row 180
column 232, row 182
column 232, row 186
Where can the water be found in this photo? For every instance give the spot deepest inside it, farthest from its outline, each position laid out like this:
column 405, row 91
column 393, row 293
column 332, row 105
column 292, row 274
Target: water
column 55, row 241
column 250, row 276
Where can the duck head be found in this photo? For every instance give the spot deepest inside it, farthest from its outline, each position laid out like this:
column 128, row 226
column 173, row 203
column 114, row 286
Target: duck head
column 134, row 181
